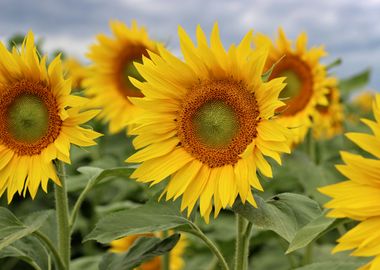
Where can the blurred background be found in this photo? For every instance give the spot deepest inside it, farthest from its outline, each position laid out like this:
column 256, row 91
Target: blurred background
column 349, row 29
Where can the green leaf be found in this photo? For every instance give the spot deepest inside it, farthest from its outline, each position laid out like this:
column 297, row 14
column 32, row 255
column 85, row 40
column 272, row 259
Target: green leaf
column 355, row 82
column 335, row 63
column 144, row 249
column 13, row 229
column 266, row 75
column 28, row 250
column 96, row 175
column 333, row 265
column 151, row 217
column 49, row 228
column 88, row 263
column 15, row 40
column 311, row 176
column 310, row 232
column 221, row 229
column 284, row 214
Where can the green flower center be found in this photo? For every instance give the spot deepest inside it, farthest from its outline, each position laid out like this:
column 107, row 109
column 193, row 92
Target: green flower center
column 217, row 121
column 28, row 118
column 299, row 80
column 216, row 124
column 132, row 53
column 293, row 84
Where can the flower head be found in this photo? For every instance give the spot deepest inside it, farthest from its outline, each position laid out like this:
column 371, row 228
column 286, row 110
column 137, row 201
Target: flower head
column 75, row 71
column 364, row 100
column 108, row 81
column 176, row 260
column 207, row 122
column 358, row 197
column 39, row 119
column 306, row 78
column 328, row 121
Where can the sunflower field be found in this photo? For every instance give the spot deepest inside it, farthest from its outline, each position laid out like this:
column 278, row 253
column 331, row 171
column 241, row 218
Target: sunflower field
column 254, row 155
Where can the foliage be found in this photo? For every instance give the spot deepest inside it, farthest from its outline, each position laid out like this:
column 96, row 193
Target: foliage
column 107, row 205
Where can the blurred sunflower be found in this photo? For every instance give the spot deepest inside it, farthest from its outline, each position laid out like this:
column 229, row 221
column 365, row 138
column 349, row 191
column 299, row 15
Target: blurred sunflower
column 74, row 70
column 175, row 256
column 358, row 197
column 328, row 121
column 364, row 100
column 208, row 122
column 108, row 80
column 38, row 120
column 307, row 81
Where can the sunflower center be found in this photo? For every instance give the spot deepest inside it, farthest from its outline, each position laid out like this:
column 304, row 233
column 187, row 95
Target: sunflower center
column 293, row 84
column 127, row 69
column 217, row 121
column 29, row 119
column 299, row 88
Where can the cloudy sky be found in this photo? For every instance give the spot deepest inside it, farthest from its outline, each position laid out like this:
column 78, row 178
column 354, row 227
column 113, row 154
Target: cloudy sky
column 350, row 29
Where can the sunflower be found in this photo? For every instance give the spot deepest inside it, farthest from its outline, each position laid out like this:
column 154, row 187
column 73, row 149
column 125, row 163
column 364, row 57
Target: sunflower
column 38, row 120
column 108, row 80
column 307, row 81
column 364, row 101
column 74, row 70
column 358, row 197
column 175, row 255
column 207, row 122
column 328, row 121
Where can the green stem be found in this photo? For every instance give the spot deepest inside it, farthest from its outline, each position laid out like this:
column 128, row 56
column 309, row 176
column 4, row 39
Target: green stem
column 166, row 257
column 246, row 242
column 44, row 239
column 62, row 211
column 311, row 147
column 78, row 204
column 308, row 257
column 213, row 264
column 198, row 232
column 239, row 248
column 291, row 260
column 243, row 234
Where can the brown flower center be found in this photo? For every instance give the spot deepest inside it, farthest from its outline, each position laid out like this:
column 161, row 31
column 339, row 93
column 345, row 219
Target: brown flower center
column 126, row 69
column 217, row 121
column 29, row 119
column 299, row 88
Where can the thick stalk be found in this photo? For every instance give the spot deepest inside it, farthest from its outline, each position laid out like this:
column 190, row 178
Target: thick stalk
column 246, row 242
column 308, row 257
column 198, row 232
column 311, row 147
column 213, row 264
column 239, row 249
column 311, row 143
column 241, row 253
column 166, row 257
column 62, row 211
column 291, row 260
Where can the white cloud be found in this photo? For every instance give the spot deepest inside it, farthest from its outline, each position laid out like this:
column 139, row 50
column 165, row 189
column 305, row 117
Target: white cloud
column 348, row 28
